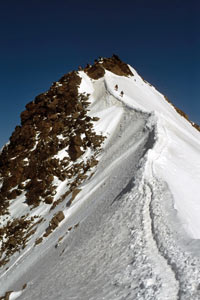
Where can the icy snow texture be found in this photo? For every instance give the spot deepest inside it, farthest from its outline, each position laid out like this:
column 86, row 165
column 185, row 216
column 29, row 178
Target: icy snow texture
column 137, row 215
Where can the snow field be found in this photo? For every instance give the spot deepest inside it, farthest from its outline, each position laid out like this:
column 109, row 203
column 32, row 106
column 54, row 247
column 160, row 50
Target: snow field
column 137, row 216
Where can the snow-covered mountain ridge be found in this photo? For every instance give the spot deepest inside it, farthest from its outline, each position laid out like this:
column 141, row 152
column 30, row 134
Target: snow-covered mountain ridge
column 99, row 186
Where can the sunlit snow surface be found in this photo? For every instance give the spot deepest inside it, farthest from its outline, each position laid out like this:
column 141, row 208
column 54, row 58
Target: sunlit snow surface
column 138, row 215
column 176, row 156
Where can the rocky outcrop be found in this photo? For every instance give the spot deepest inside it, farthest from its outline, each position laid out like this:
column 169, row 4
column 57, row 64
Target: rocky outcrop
column 54, row 121
column 14, row 236
column 113, row 64
column 27, row 164
column 183, row 114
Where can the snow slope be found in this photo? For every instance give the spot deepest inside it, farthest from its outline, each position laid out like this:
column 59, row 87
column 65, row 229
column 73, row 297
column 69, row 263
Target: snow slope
column 177, row 149
column 138, row 225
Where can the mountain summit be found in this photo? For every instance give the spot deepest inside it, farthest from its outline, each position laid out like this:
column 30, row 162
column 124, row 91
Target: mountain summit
column 99, row 192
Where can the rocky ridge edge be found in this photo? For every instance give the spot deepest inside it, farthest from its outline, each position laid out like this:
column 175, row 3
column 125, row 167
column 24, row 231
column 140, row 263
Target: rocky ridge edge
column 54, row 121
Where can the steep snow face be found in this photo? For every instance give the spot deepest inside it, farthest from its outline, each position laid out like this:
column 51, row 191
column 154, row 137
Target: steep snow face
column 121, row 237
column 175, row 158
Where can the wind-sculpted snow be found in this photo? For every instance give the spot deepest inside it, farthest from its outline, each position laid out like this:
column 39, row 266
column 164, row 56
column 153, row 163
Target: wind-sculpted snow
column 112, row 254
column 122, row 237
column 180, row 252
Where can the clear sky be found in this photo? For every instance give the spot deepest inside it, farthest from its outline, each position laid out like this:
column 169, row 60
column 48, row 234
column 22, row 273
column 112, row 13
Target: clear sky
column 42, row 40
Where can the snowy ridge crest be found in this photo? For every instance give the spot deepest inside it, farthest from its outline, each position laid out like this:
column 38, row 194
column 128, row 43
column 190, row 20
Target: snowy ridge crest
column 96, row 183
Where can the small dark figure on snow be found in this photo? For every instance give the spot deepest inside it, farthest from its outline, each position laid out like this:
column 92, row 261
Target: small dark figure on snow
column 122, row 93
column 116, row 87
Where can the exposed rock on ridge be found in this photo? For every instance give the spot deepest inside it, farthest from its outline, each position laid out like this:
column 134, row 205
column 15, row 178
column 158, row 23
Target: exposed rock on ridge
column 30, row 166
column 113, row 64
column 53, row 121
column 56, row 121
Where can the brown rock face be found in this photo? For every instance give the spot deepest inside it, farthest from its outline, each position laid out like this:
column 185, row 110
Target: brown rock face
column 76, row 140
column 14, row 236
column 29, row 156
column 57, row 219
column 183, row 114
column 113, row 64
column 60, row 216
column 96, row 71
column 56, row 120
column 74, row 152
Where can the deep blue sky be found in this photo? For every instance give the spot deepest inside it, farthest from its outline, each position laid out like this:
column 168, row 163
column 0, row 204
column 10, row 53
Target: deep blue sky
column 42, row 40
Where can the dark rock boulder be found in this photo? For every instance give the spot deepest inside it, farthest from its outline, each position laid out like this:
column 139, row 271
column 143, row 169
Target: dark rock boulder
column 74, row 152
column 95, row 72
